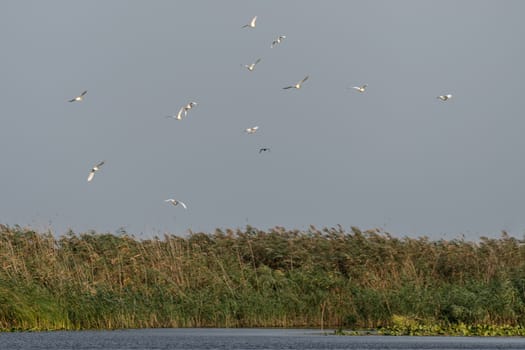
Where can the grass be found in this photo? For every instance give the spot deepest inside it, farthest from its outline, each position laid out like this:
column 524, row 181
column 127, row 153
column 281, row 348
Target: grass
column 324, row 278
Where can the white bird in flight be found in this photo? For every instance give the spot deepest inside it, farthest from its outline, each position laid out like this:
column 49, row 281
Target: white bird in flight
column 251, row 24
column 278, row 40
column 176, row 202
column 251, row 66
column 252, row 130
column 298, row 85
column 361, row 88
column 183, row 111
column 94, row 170
column 445, row 97
column 79, row 98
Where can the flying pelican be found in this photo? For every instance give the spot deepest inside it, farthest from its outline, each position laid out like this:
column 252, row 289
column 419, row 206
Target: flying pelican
column 94, row 170
column 176, row 202
column 251, row 66
column 251, row 24
column 79, row 98
column 264, row 149
column 183, row 111
column 361, row 88
column 445, row 97
column 252, row 130
column 298, row 85
column 278, row 40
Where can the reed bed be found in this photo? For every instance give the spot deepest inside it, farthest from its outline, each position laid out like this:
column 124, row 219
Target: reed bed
column 247, row 277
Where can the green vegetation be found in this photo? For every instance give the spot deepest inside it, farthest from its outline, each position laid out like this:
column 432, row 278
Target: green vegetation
column 409, row 326
column 325, row 278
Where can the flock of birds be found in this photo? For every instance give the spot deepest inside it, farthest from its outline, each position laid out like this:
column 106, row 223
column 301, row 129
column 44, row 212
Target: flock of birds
column 183, row 111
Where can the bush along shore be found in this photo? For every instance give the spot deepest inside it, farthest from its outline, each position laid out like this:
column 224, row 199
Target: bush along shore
column 324, row 278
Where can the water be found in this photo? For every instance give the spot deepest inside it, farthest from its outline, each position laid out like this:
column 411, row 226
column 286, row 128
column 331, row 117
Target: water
column 174, row 339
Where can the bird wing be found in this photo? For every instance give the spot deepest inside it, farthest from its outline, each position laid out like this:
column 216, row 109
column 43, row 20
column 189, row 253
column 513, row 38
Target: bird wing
column 83, row 93
column 305, row 79
column 90, row 176
column 257, row 61
column 183, row 205
column 72, row 100
column 179, row 115
column 101, row 164
column 288, row 87
column 252, row 23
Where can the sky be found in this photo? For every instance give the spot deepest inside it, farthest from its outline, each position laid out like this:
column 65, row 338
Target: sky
column 394, row 157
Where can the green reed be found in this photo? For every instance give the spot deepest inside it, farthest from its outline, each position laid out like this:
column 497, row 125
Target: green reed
column 247, row 277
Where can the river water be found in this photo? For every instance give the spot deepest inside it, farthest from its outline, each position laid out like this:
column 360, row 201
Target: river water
column 174, row 339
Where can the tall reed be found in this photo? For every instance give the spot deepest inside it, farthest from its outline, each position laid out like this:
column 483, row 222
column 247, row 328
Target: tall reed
column 252, row 278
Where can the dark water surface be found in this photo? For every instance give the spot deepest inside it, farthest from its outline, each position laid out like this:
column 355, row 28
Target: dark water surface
column 149, row 339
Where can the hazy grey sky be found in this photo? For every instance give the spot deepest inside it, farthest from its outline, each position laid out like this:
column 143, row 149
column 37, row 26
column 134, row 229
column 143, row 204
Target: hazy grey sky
column 393, row 157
